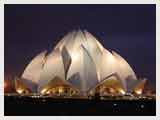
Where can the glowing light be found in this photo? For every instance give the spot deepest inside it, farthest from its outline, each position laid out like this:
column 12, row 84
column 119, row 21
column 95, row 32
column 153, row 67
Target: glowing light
column 20, row 91
column 60, row 89
column 139, row 91
column 43, row 91
column 122, row 91
column 111, row 90
column 114, row 104
column 142, row 106
column 48, row 92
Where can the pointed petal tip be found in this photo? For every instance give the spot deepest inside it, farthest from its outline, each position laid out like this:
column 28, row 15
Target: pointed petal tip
column 113, row 52
column 80, row 31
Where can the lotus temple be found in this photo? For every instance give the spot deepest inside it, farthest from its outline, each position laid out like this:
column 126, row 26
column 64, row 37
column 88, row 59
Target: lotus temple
column 79, row 66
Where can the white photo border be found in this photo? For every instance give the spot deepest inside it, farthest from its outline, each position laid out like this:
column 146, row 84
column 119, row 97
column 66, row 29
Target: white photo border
column 3, row 2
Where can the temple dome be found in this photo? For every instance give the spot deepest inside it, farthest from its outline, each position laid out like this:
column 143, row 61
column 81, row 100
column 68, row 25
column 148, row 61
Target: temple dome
column 80, row 60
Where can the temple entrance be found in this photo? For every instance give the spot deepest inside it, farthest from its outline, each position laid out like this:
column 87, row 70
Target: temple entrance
column 61, row 91
column 59, row 87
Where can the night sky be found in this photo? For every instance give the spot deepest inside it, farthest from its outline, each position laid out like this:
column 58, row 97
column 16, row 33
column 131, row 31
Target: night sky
column 129, row 30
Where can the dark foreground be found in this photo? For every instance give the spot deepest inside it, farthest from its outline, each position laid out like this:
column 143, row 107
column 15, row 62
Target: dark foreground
column 27, row 106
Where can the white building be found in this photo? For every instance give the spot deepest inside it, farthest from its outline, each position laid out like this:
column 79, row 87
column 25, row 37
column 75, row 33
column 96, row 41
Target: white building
column 79, row 61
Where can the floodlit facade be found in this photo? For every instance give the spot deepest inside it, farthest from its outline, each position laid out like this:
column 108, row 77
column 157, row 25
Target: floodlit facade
column 78, row 64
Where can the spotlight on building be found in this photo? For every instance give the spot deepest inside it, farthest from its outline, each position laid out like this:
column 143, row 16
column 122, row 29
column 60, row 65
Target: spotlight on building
column 78, row 65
